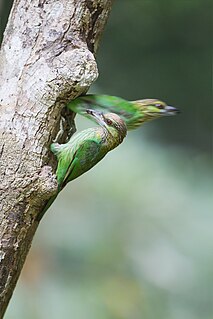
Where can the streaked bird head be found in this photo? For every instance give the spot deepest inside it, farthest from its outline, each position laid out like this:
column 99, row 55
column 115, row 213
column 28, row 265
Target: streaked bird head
column 110, row 121
column 150, row 109
column 155, row 108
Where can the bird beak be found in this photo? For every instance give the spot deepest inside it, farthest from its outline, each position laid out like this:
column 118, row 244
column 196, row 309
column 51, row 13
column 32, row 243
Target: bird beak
column 97, row 116
column 169, row 110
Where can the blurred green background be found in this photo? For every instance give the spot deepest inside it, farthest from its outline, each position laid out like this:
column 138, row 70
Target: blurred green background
column 133, row 238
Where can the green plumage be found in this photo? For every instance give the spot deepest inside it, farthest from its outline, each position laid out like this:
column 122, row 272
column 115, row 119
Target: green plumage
column 80, row 154
column 85, row 149
column 133, row 113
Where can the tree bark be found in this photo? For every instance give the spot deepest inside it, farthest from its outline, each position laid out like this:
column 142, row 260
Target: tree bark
column 46, row 59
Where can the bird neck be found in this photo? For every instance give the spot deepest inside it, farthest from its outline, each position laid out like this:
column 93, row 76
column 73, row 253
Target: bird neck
column 112, row 137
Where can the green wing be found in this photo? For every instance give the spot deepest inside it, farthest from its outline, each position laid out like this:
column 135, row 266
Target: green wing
column 73, row 162
column 104, row 103
column 87, row 156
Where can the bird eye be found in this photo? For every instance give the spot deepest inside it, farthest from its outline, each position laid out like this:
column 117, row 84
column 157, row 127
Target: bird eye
column 109, row 122
column 159, row 106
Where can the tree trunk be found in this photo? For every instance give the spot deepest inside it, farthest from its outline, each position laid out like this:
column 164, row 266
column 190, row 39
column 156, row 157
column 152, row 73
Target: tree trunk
column 46, row 60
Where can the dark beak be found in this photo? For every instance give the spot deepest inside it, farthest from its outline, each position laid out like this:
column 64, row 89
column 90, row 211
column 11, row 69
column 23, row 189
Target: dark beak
column 170, row 110
column 97, row 116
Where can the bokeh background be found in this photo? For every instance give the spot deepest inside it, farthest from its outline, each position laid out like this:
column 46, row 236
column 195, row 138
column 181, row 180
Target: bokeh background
column 133, row 238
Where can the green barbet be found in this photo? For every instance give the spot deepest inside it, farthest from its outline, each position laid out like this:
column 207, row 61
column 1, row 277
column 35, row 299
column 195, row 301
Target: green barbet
column 133, row 113
column 85, row 149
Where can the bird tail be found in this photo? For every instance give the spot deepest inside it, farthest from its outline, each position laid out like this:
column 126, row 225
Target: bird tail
column 49, row 203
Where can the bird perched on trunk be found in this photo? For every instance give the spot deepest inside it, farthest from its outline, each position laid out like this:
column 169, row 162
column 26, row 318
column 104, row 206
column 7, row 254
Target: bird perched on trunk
column 133, row 113
column 85, row 149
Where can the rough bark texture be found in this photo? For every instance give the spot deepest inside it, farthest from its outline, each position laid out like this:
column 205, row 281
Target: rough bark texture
column 46, row 59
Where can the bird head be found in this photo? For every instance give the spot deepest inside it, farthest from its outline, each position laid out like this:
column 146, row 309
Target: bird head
column 154, row 108
column 110, row 122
